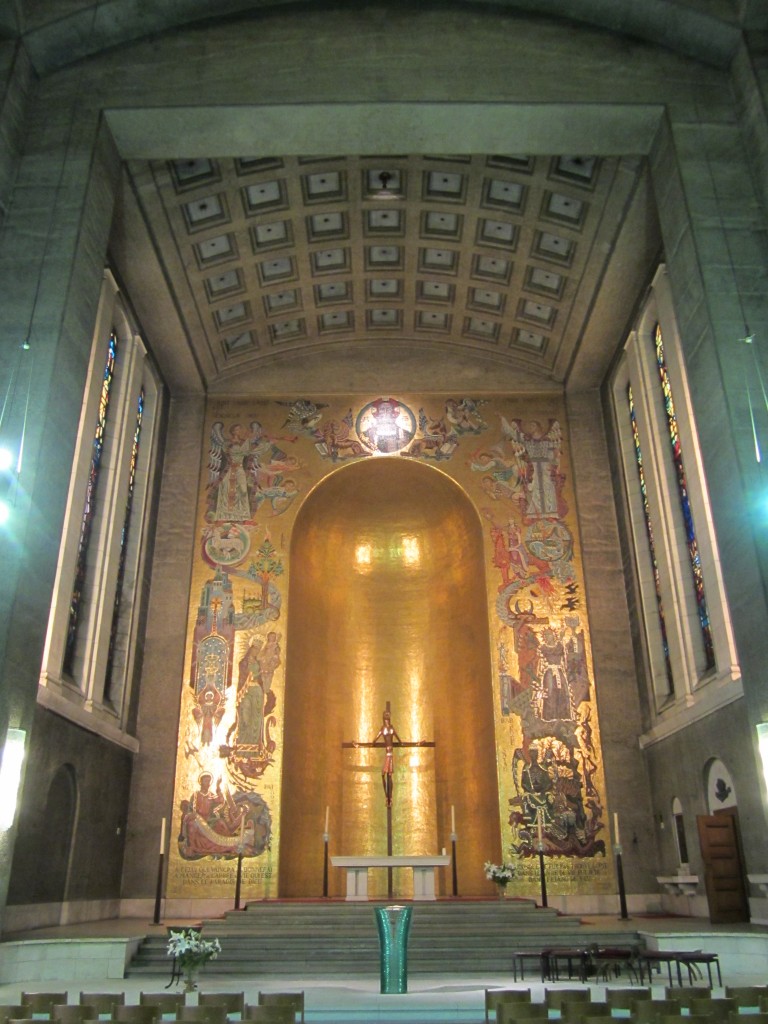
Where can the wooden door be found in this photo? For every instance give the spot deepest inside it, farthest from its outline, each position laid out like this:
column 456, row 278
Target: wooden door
column 723, row 872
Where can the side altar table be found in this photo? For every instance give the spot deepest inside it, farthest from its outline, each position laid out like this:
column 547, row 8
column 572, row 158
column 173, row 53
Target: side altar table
column 423, row 873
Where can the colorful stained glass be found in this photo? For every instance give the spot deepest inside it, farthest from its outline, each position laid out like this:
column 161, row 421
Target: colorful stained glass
column 649, row 531
column 89, row 509
column 123, row 546
column 685, row 504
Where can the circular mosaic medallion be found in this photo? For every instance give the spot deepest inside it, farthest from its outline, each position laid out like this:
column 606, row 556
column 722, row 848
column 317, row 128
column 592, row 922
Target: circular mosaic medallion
column 385, row 426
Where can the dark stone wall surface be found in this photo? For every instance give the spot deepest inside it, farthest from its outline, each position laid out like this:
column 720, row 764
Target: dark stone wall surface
column 72, row 823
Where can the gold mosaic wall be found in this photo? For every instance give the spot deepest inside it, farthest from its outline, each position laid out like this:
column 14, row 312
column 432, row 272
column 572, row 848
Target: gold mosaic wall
column 493, row 689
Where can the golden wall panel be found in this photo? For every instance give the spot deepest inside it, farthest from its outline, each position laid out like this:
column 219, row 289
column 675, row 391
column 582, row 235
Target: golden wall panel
column 354, row 552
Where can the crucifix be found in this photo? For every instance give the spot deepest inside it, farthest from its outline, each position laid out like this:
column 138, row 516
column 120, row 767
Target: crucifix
column 388, row 738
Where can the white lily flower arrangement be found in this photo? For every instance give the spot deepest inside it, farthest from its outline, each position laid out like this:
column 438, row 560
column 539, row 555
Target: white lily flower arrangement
column 499, row 873
column 190, row 949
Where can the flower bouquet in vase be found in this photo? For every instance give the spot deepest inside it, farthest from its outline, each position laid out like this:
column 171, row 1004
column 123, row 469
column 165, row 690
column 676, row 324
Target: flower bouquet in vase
column 190, row 952
column 501, row 874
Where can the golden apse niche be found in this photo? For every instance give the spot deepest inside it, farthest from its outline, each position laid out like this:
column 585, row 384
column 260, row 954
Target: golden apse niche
column 359, row 551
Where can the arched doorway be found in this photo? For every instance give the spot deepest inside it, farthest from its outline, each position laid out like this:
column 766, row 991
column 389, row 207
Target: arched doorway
column 59, row 819
column 387, row 603
column 724, row 876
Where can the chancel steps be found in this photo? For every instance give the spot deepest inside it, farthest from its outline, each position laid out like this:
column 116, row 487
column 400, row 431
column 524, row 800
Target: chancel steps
column 275, row 937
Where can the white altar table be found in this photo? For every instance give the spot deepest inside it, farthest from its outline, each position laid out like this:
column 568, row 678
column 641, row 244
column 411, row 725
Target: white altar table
column 423, row 873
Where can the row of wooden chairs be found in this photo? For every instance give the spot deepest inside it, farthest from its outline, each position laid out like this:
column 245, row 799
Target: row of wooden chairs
column 156, row 1007
column 576, row 1005
column 721, row 1010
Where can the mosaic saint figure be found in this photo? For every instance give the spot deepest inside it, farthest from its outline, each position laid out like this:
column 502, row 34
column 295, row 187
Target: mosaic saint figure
column 537, row 789
column 232, row 494
column 555, row 702
column 220, row 824
column 250, row 697
column 201, row 823
column 542, row 452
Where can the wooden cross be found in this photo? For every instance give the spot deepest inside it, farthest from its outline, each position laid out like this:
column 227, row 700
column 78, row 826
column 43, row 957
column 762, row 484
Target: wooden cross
column 387, row 737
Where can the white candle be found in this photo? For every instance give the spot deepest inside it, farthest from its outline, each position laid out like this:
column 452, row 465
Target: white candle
column 539, row 830
column 453, row 818
column 443, row 851
column 616, row 829
column 162, row 837
column 327, row 812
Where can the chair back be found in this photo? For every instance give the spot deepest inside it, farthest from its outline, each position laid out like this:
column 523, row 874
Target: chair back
column 555, row 997
column 572, row 1010
column 684, row 994
column 11, row 1011
column 495, row 996
column 233, row 1002
column 270, row 1014
column 652, row 1009
column 747, row 995
column 72, row 1013
column 292, row 999
column 511, row 1013
column 210, row 1013
column 104, row 1003
column 625, row 998
column 167, row 1003
column 41, row 1003
column 133, row 1014
column 718, row 1009
column 576, row 1012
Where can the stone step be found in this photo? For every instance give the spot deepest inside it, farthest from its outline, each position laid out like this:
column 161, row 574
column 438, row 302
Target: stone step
column 273, row 937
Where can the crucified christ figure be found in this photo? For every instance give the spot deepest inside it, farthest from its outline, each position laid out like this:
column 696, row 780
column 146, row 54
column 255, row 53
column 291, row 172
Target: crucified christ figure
column 387, row 737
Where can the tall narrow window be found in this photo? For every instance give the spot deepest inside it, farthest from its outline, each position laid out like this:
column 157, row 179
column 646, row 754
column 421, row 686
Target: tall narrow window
column 123, row 548
column 684, row 639
column 89, row 510
column 93, row 644
column 679, row 822
column 685, row 504
column 649, row 532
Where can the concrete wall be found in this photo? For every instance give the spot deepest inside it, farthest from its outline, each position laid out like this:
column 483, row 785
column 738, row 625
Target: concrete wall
column 46, row 869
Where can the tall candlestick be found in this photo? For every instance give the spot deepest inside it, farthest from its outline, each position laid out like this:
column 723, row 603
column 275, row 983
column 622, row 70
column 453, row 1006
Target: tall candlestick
column 616, row 839
column 162, row 836
column 453, row 818
column 327, row 812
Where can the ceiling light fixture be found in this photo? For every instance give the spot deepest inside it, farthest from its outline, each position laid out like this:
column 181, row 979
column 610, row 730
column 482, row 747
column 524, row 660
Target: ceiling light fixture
column 385, row 193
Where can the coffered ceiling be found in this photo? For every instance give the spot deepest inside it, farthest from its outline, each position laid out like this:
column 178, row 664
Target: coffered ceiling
column 514, row 270
column 496, row 258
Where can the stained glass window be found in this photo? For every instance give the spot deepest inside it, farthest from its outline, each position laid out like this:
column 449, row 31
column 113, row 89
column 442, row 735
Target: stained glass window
column 89, row 509
column 649, row 532
column 123, row 546
column 685, row 504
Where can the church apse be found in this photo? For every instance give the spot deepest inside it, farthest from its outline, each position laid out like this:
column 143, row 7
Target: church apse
column 358, row 552
column 387, row 609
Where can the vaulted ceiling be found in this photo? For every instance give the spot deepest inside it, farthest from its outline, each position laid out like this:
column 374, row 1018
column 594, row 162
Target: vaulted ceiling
column 497, row 260
column 57, row 32
column 496, row 256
